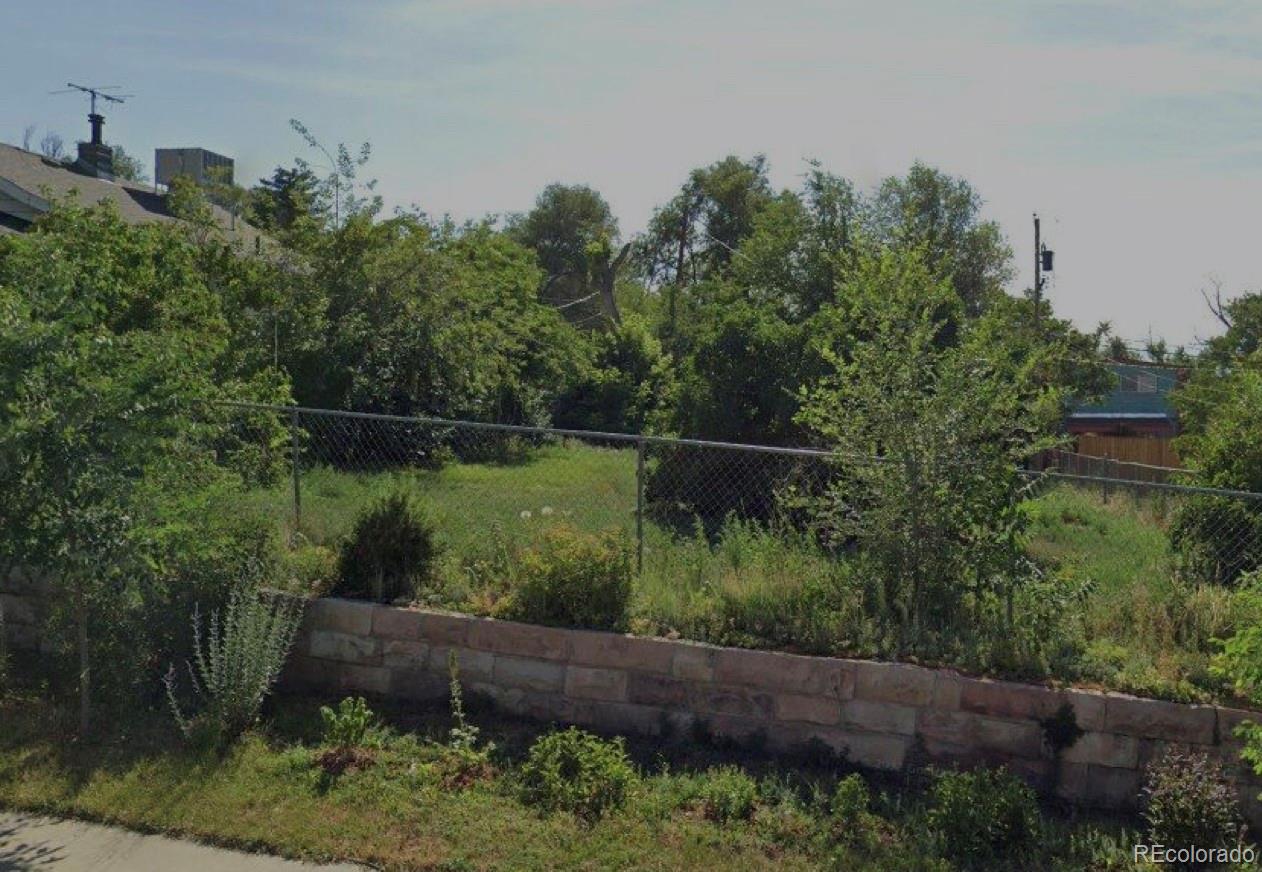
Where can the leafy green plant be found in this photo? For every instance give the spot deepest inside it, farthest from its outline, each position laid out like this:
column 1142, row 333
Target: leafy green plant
column 465, row 762
column 1187, row 801
column 350, row 725
column 572, row 770
column 982, row 815
column 728, row 794
column 390, row 550
column 851, row 822
column 236, row 663
column 574, row 579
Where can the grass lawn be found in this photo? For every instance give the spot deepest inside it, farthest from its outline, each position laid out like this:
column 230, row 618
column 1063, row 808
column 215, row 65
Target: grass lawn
column 269, row 793
column 1144, row 630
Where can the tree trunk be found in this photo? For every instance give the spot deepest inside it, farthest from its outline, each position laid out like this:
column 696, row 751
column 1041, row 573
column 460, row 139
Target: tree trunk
column 85, row 668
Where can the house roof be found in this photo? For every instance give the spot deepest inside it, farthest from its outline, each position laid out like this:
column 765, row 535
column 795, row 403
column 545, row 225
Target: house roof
column 1142, row 392
column 29, row 182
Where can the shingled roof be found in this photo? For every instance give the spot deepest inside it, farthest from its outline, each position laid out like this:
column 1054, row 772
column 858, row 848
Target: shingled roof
column 30, row 183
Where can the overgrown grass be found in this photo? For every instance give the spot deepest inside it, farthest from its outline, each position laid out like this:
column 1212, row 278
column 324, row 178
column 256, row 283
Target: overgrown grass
column 268, row 792
column 1142, row 628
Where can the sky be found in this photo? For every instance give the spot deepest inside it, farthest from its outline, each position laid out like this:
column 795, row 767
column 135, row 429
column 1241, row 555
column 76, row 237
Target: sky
column 1133, row 128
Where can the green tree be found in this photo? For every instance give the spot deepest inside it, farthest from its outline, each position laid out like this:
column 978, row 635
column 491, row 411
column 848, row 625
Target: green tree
column 629, row 387
column 127, row 167
column 929, row 438
column 284, row 199
column 108, row 345
column 941, row 215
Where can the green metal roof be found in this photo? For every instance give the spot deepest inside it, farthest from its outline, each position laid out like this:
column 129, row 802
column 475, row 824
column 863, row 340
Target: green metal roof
column 1142, row 392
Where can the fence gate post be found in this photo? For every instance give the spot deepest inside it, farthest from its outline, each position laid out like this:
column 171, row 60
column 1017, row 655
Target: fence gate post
column 293, row 443
column 639, row 505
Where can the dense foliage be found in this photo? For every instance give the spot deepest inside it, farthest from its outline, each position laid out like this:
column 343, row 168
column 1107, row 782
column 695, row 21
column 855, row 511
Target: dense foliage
column 1187, row 801
column 574, row 771
column 572, row 579
column 389, row 553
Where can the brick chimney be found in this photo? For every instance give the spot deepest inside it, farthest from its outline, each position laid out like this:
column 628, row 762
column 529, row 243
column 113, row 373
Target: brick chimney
column 95, row 157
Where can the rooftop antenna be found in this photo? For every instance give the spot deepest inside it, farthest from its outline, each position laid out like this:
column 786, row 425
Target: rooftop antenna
column 96, row 120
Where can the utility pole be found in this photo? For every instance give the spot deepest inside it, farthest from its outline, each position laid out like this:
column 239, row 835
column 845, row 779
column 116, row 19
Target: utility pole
column 1038, row 274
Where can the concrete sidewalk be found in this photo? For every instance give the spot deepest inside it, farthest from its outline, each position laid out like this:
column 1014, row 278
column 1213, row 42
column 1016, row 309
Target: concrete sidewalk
column 30, row 843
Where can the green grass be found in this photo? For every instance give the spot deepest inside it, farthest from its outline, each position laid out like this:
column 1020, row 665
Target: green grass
column 1143, row 629
column 269, row 793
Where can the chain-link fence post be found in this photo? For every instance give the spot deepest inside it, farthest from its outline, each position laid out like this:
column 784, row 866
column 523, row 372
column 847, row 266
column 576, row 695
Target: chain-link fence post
column 639, row 505
column 293, row 439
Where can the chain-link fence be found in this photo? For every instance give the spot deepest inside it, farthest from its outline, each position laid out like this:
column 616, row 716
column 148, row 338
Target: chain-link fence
column 494, row 485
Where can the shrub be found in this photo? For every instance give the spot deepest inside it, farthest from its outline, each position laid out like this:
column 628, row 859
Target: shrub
column 1187, row 801
column 350, row 725
column 728, row 794
column 391, row 548
column 577, row 772
column 236, row 664
column 982, row 815
column 850, row 822
column 1217, row 538
column 309, row 569
column 573, row 579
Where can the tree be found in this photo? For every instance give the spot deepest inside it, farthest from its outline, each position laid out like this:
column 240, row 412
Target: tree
column 629, row 387
column 127, row 167
column 108, row 340
column 941, row 215
column 573, row 234
column 52, row 146
column 693, row 237
column 287, row 197
column 341, row 187
column 929, row 438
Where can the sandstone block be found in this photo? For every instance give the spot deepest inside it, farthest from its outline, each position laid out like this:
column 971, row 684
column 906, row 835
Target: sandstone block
column 790, row 673
column 18, row 609
column 811, row 709
column 470, row 665
column 345, row 647
column 946, row 691
column 366, row 679
column 390, row 622
column 438, row 628
column 1155, row 719
column 1104, row 749
column 647, row 689
column 878, row 717
column 615, row 651
column 1008, row 699
column 734, row 701
column 893, row 682
column 541, row 676
column 871, row 750
column 519, row 640
column 417, row 684
column 1015, row 738
column 340, row 616
column 404, row 654
column 589, row 682
column 693, row 662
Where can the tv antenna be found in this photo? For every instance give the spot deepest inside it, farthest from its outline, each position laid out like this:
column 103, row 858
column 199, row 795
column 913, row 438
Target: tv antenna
column 95, row 119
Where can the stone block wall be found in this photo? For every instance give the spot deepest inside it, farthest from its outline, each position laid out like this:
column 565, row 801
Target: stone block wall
column 883, row 716
column 23, row 598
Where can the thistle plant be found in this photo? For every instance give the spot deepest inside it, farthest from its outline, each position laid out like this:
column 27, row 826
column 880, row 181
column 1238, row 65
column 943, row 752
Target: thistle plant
column 235, row 662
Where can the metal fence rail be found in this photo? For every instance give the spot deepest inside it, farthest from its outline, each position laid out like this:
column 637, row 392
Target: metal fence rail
column 501, row 482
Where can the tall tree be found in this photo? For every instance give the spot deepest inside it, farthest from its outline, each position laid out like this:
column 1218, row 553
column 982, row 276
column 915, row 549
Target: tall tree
column 942, row 215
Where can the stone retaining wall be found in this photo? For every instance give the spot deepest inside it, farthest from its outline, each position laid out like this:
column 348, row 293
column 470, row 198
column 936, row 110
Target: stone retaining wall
column 22, row 599
column 880, row 715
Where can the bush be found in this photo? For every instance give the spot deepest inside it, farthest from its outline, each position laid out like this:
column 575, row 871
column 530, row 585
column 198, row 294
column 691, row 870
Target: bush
column 234, row 667
column 390, row 550
column 850, row 822
column 573, row 579
column 728, row 794
column 982, row 815
column 1217, row 539
column 1187, row 801
column 577, row 772
column 350, row 725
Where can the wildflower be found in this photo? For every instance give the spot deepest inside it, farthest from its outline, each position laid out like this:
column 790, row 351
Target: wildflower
column 525, row 514
column 546, row 510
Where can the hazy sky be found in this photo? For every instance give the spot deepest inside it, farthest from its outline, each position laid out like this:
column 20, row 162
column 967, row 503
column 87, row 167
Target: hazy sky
column 1134, row 128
